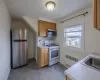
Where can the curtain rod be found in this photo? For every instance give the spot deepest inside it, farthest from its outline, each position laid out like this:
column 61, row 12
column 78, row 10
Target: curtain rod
column 74, row 17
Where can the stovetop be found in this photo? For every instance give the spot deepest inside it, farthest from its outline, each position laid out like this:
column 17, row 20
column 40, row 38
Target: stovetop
column 53, row 45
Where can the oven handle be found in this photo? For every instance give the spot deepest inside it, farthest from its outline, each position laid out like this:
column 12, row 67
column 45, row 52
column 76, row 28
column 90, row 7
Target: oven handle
column 53, row 49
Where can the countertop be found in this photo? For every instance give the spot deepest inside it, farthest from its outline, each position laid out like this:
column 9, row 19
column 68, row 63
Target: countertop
column 47, row 46
column 81, row 71
column 43, row 46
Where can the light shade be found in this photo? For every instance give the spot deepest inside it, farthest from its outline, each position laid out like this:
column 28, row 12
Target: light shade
column 50, row 5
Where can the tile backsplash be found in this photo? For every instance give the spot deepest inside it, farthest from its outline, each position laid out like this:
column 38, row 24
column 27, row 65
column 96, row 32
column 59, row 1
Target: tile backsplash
column 44, row 40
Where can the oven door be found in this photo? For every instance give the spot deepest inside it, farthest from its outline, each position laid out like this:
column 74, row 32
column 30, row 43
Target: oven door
column 53, row 54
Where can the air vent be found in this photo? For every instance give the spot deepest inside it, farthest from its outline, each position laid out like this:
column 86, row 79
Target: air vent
column 72, row 58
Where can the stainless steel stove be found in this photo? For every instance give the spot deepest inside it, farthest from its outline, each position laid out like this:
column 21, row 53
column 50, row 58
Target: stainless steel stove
column 54, row 56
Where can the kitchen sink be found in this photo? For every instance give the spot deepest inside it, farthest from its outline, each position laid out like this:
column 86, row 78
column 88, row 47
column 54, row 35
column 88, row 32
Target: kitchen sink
column 93, row 63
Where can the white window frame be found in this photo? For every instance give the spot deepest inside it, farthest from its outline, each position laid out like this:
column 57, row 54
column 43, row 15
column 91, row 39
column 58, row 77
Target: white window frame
column 82, row 39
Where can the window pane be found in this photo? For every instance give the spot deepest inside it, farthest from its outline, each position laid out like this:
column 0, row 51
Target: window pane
column 73, row 34
column 74, row 42
column 74, row 28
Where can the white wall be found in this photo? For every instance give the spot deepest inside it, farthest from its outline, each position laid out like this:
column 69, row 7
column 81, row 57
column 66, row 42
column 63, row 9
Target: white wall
column 33, row 23
column 4, row 42
column 92, row 37
column 20, row 24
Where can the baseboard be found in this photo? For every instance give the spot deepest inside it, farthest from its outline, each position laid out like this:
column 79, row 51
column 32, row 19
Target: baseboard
column 32, row 59
column 63, row 65
column 7, row 74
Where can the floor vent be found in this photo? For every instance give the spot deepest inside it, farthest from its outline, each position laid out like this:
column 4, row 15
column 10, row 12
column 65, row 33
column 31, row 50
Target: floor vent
column 72, row 58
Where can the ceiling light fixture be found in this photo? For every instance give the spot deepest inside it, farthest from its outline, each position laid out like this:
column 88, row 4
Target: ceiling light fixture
column 50, row 5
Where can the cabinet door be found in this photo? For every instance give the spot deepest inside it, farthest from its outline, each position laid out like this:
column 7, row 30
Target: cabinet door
column 53, row 25
column 48, row 25
column 42, row 28
column 41, row 57
column 97, row 14
column 67, row 78
column 46, row 57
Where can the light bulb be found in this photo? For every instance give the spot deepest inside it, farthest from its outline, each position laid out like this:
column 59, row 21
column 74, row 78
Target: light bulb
column 50, row 5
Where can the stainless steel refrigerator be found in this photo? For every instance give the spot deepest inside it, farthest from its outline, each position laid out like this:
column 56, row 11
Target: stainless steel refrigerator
column 19, row 48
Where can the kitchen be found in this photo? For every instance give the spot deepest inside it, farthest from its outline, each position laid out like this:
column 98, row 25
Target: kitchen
column 61, row 42
column 23, row 56
column 46, row 45
column 47, row 49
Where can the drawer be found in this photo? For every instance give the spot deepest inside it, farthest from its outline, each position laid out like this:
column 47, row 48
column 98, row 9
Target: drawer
column 45, row 49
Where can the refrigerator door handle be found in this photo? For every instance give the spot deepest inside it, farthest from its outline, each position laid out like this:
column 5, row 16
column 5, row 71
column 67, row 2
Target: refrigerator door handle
column 19, row 40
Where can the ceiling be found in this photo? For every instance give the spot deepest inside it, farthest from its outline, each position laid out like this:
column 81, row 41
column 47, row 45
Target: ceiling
column 37, row 9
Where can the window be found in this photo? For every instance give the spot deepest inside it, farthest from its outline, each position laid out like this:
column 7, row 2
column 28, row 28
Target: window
column 74, row 36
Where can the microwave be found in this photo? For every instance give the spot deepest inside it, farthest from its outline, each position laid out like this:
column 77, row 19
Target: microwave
column 51, row 33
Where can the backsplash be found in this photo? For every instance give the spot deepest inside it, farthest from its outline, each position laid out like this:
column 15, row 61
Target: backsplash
column 44, row 40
